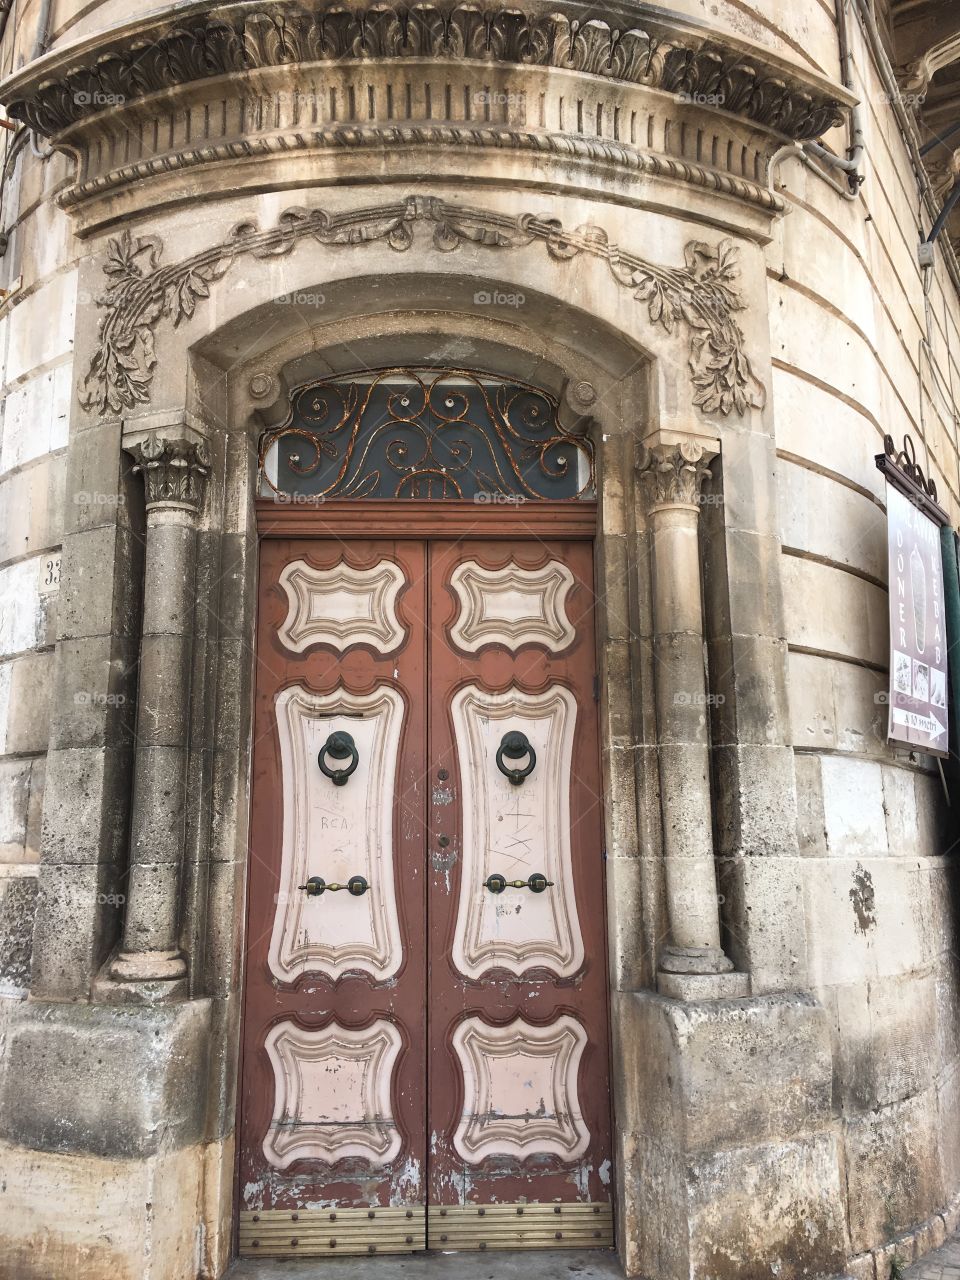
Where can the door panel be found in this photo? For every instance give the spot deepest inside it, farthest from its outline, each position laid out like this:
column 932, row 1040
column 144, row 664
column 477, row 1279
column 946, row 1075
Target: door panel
column 355, row 933
column 332, row 1143
column 515, row 831
column 519, row 1105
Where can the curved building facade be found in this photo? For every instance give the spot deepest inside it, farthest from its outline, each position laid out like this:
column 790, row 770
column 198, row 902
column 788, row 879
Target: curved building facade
column 446, row 799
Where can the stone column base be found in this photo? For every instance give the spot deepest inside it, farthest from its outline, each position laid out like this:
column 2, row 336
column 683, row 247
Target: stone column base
column 150, row 977
column 728, row 1148
column 104, row 1161
column 703, row 986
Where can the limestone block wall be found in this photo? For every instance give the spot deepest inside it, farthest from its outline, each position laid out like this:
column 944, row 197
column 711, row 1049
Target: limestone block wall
column 37, row 321
column 847, row 322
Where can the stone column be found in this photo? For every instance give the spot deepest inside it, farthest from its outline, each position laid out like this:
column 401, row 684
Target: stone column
column 174, row 464
column 692, row 965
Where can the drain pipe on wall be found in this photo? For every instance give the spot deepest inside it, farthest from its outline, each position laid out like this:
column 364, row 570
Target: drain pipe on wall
column 851, row 165
column 812, row 154
column 40, row 46
column 907, row 130
column 43, row 31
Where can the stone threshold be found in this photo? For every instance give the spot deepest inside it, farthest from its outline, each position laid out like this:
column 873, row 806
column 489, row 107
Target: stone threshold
column 519, row 1264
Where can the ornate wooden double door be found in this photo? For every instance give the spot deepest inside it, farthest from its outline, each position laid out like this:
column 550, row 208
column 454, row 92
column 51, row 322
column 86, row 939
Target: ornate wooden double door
column 425, row 1058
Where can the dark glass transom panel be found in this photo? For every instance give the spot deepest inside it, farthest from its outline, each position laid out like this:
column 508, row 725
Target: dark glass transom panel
column 419, row 433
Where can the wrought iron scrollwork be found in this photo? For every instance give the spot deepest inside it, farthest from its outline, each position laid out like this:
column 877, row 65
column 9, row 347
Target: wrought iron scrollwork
column 417, row 433
column 906, row 460
column 901, row 469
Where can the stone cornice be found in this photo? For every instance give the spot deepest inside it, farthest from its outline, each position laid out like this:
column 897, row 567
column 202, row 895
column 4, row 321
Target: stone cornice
column 638, row 44
column 620, row 155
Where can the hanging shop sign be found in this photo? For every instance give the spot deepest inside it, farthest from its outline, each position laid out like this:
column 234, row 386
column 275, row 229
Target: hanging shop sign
column 918, row 647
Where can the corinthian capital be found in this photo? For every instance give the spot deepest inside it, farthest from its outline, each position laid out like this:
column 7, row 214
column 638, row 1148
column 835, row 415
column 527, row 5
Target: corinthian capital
column 677, row 472
column 174, row 468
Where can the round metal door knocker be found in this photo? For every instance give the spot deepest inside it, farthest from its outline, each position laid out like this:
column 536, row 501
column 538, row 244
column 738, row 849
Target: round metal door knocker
column 339, row 746
column 514, row 746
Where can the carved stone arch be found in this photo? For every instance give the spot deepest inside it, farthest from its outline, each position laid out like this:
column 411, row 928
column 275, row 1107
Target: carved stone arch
column 604, row 380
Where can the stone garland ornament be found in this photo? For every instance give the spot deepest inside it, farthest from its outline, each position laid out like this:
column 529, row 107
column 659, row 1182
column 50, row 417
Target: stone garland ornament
column 242, row 37
column 700, row 296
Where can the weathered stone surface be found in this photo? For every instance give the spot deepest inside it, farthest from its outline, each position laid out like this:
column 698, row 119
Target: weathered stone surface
column 834, row 867
column 893, row 1169
column 853, row 807
column 769, row 1209
column 89, row 1217
column 111, row 1081
column 865, row 917
column 18, row 899
column 887, row 1027
column 730, row 1137
column 764, row 913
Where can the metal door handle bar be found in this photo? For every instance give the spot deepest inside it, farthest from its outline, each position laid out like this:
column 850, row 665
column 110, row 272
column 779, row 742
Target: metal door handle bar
column 316, row 885
column 536, row 883
column 339, row 746
column 515, row 745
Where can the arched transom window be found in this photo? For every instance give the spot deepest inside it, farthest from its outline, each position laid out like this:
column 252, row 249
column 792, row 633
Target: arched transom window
column 424, row 434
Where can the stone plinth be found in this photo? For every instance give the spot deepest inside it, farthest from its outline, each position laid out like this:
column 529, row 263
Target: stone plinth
column 729, row 1148
column 104, row 1161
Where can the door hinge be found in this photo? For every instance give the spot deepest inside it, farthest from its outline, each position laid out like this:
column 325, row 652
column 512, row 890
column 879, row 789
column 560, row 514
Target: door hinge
column 596, row 688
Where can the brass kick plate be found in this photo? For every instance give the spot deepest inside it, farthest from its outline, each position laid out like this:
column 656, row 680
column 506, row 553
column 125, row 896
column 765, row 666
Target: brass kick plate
column 278, row 1233
column 520, row 1226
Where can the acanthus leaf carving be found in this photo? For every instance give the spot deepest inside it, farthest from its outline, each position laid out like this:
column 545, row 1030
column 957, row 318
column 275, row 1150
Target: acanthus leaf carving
column 169, row 53
column 701, row 295
column 678, row 472
column 174, row 470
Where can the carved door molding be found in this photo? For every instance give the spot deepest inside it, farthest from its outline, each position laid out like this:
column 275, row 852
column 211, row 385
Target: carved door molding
column 425, row 1059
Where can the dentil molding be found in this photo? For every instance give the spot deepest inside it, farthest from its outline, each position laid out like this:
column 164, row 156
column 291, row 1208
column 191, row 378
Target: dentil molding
column 700, row 298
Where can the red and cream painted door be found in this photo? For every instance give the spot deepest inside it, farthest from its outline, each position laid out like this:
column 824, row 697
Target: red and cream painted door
column 425, row 1022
